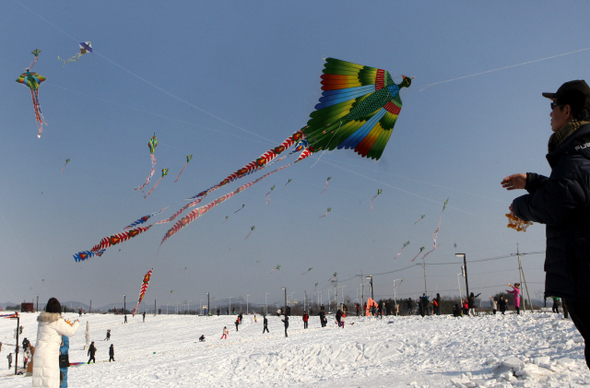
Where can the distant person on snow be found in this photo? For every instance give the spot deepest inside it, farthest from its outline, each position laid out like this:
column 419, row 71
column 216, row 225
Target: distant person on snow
column 265, row 323
column 516, row 292
column 91, row 353
column 112, row 353
column 305, row 319
column 286, row 322
column 494, row 304
column 108, row 337
column 202, row 338
column 225, row 333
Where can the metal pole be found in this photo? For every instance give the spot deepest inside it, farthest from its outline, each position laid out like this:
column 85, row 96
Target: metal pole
column 247, row 304
column 465, row 270
column 285, row 288
column 523, row 281
column 265, row 304
column 16, row 348
column 208, row 305
column 424, row 268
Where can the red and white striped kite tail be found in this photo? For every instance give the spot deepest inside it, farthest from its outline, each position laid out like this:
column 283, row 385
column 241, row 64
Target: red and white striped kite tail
column 153, row 157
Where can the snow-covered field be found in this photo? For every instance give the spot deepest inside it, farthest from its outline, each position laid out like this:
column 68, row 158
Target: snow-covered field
column 530, row 350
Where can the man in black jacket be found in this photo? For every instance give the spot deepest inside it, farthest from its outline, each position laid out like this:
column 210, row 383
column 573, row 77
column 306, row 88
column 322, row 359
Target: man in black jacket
column 561, row 201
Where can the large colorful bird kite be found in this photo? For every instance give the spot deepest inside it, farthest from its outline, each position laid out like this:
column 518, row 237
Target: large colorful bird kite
column 358, row 110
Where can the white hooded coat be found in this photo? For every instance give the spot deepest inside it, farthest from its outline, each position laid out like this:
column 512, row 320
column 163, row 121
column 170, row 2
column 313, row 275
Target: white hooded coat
column 46, row 357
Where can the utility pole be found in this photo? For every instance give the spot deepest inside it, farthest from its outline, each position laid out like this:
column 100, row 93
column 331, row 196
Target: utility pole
column 208, row 305
column 16, row 348
column 523, row 281
column 285, row 309
column 370, row 277
column 362, row 291
column 464, row 271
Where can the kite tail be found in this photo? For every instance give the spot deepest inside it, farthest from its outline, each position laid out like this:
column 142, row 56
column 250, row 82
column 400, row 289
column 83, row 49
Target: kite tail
column 72, row 59
column 144, row 286
column 372, row 199
column 115, row 239
column 193, row 215
column 248, row 235
column 152, row 189
column 33, row 63
column 261, row 162
column 153, row 157
column 181, row 172
column 38, row 114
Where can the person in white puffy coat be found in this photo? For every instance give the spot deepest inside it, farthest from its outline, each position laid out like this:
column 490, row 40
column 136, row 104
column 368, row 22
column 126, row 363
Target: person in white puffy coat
column 46, row 358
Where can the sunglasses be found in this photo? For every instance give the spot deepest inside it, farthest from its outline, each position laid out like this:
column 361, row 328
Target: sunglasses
column 553, row 105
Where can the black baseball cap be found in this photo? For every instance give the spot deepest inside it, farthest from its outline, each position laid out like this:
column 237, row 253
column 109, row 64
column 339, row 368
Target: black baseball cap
column 574, row 93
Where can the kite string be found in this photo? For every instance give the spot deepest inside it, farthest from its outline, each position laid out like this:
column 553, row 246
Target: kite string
column 506, row 67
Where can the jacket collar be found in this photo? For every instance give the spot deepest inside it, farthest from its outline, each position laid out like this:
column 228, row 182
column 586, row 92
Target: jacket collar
column 48, row 317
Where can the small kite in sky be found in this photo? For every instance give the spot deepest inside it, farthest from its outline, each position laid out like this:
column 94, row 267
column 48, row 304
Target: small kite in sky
column 251, row 229
column 326, row 188
column 421, row 217
column 152, row 144
column 310, row 268
column 188, row 159
column 421, row 249
column 64, row 167
column 85, row 47
column 32, row 81
column 144, row 286
column 378, row 193
column 334, row 276
column 268, row 194
column 226, row 217
column 164, row 173
column 289, row 181
column 400, row 251
column 36, row 53
column 327, row 211
column 240, row 208
column 277, row 267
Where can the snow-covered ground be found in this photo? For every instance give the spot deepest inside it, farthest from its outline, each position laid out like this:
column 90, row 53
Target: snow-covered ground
column 530, row 350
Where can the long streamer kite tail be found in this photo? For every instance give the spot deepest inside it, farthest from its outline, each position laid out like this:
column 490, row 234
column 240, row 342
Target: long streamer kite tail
column 151, row 173
column 38, row 114
column 421, row 217
column 186, row 164
column 153, row 188
column 144, row 286
column 421, row 249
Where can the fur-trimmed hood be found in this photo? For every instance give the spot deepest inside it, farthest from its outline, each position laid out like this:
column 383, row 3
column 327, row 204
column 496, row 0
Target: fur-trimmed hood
column 48, row 317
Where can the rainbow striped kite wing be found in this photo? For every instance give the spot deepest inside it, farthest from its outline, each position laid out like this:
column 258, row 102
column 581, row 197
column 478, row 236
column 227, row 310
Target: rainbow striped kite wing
column 31, row 79
column 357, row 110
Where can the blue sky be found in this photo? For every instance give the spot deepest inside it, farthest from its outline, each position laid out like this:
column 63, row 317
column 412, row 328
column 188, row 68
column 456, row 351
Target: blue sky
column 225, row 81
